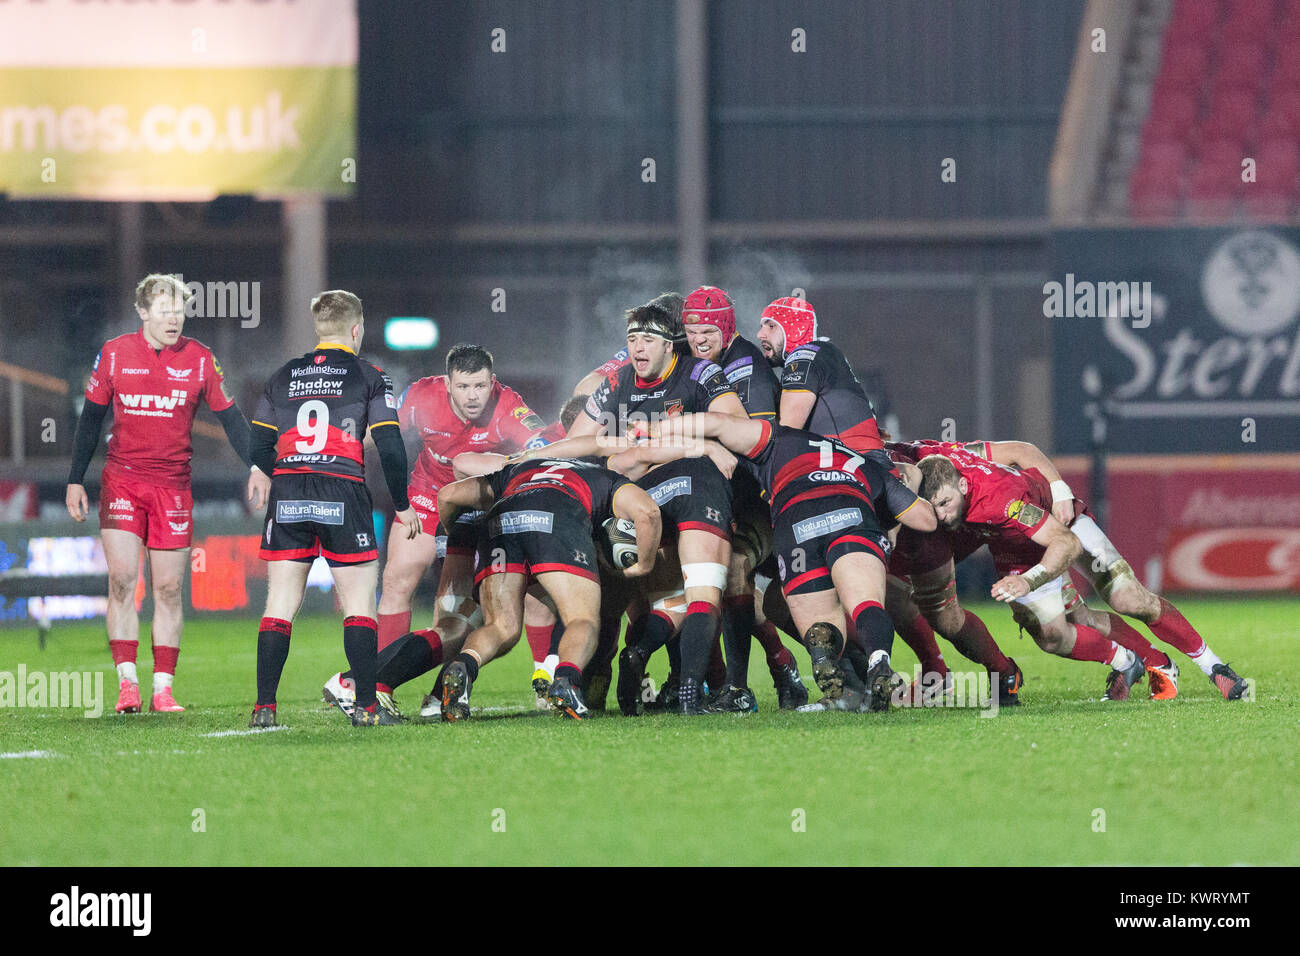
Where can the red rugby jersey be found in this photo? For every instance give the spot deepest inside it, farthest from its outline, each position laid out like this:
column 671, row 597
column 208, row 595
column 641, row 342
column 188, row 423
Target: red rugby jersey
column 1004, row 505
column 154, row 397
column 506, row 425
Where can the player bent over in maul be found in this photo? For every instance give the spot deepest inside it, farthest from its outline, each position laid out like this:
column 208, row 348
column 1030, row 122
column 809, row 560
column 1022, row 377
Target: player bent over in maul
column 540, row 526
column 303, row 437
column 831, row 510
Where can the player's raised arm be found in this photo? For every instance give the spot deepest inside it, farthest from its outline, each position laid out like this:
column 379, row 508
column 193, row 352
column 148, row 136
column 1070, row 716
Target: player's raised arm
column 1023, row 454
column 633, row 504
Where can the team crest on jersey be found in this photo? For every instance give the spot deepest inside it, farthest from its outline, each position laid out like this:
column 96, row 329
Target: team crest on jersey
column 672, row 408
column 319, row 359
column 1024, row 513
column 179, row 372
column 98, row 356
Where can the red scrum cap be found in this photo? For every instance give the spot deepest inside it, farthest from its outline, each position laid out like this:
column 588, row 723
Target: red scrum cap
column 797, row 320
column 709, row 305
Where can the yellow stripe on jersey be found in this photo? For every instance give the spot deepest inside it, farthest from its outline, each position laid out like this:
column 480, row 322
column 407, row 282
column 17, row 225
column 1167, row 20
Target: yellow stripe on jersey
column 806, row 391
column 377, row 424
column 908, row 508
column 265, row 425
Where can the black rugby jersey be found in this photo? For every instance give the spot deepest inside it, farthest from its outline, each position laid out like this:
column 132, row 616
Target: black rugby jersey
column 688, row 385
column 795, row 465
column 320, row 406
column 842, row 410
column 749, row 373
column 591, row 485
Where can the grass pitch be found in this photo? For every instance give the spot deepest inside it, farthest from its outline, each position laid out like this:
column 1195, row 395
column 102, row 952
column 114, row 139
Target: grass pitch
column 1064, row 779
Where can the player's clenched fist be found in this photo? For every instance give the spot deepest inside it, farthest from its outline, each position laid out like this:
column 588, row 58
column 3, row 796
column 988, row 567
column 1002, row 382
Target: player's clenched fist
column 77, row 502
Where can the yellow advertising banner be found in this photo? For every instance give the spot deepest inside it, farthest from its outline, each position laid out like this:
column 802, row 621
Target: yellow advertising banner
column 180, row 100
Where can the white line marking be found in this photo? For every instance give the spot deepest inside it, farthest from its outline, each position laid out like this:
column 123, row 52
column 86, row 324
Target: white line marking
column 243, row 733
column 17, row 755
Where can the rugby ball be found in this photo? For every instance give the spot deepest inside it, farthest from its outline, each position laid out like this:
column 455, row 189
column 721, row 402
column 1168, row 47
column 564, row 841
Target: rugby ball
column 618, row 543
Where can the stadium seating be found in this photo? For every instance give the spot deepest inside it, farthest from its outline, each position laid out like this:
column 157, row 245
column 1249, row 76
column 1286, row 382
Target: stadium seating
column 1227, row 89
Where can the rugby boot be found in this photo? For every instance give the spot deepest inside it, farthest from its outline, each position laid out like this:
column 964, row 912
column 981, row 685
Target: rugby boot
column 1120, row 684
column 732, row 700
column 882, row 682
column 631, row 681
column 164, row 703
column 567, row 700
column 790, row 690
column 541, row 687
column 690, row 697
column 1009, row 686
column 379, row 717
column 1163, row 681
column 456, row 687
column 1229, row 684
column 263, row 716
column 341, row 692
column 128, row 698
column 389, row 706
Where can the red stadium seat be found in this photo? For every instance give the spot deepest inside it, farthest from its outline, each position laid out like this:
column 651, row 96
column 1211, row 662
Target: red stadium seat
column 1248, row 19
column 1172, row 116
column 1183, row 65
column 1232, row 113
column 1193, row 18
column 1244, row 59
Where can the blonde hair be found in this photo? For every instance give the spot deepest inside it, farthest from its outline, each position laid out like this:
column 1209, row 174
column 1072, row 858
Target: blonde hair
column 335, row 312
column 158, row 284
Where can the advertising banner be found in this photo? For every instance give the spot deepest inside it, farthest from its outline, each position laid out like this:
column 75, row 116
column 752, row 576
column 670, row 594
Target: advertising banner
column 1184, row 340
column 179, row 100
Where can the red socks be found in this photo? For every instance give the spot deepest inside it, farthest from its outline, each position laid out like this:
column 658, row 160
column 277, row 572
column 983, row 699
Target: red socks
column 1090, row 645
column 539, row 640
column 975, row 642
column 1122, row 633
column 778, row 655
column 1172, row 628
column 164, row 659
column 123, row 651
column 919, row 636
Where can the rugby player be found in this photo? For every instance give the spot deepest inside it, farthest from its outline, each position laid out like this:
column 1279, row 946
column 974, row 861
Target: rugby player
column 466, row 409
column 709, row 318
column 420, row 651
column 820, row 392
column 1033, row 551
column 833, row 509
column 960, row 476
column 154, row 379
column 662, row 380
column 539, row 528
column 303, row 436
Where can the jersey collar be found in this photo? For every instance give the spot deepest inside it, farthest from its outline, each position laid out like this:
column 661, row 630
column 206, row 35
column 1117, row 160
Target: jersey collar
column 667, row 373
column 323, row 346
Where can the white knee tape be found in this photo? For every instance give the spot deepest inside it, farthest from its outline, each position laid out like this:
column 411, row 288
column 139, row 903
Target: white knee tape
column 668, row 601
column 1095, row 542
column 439, row 546
column 762, row 582
column 1045, row 602
column 705, row 574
